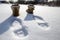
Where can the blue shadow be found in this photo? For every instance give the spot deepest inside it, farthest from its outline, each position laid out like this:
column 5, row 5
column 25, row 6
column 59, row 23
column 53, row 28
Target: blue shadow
column 4, row 26
column 30, row 17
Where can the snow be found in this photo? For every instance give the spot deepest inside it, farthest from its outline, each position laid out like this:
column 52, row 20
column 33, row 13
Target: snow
column 45, row 25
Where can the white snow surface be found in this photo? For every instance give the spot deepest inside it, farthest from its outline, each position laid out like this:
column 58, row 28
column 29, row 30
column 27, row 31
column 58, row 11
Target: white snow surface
column 30, row 27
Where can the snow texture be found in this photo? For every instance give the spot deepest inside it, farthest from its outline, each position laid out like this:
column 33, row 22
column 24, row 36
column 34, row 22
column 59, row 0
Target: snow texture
column 44, row 24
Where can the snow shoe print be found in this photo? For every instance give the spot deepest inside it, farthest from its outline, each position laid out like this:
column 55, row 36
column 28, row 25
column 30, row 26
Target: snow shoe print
column 42, row 24
column 21, row 33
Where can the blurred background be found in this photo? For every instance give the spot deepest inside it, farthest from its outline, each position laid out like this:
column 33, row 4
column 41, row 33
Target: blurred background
column 41, row 2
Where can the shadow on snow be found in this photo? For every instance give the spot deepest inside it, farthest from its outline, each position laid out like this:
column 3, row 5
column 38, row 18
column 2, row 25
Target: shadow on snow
column 4, row 26
column 30, row 17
